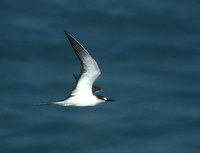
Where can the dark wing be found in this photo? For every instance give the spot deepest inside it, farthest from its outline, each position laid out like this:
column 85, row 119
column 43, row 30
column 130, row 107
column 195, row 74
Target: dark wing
column 90, row 70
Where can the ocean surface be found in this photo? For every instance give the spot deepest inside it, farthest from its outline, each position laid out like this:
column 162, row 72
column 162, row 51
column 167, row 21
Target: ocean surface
column 149, row 55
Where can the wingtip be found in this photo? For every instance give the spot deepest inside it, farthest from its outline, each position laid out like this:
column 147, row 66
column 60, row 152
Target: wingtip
column 66, row 33
column 70, row 37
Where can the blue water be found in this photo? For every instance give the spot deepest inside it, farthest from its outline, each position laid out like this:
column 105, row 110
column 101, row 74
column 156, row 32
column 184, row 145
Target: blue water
column 149, row 55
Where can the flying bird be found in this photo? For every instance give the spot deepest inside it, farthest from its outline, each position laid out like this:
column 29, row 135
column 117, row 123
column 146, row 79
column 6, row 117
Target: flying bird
column 84, row 91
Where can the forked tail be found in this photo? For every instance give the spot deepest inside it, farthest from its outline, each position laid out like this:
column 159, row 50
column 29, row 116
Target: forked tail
column 51, row 103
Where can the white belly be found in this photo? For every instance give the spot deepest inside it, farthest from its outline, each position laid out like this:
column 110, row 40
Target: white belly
column 82, row 100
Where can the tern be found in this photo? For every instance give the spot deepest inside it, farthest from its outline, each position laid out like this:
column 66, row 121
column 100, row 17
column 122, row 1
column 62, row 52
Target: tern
column 84, row 91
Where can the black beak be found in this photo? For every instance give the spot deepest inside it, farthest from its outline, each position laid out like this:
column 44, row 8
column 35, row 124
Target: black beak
column 110, row 100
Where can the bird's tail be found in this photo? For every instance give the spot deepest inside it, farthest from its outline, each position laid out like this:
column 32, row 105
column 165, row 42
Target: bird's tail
column 51, row 103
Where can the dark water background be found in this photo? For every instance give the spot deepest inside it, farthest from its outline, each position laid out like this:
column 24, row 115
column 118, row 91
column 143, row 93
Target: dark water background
column 149, row 54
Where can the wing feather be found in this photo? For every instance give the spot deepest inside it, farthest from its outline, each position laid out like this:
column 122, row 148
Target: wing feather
column 89, row 71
